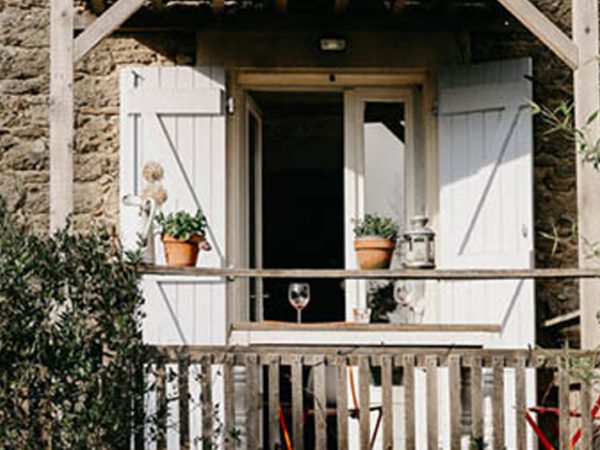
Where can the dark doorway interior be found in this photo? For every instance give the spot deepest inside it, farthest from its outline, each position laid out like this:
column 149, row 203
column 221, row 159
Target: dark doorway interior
column 303, row 198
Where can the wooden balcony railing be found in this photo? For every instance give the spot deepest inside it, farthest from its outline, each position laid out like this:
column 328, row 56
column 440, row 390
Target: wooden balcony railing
column 192, row 381
column 412, row 274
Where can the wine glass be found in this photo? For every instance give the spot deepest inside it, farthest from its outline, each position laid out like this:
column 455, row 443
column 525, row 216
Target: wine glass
column 299, row 296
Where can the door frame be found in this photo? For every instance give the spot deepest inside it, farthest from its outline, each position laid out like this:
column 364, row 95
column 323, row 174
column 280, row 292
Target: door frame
column 242, row 80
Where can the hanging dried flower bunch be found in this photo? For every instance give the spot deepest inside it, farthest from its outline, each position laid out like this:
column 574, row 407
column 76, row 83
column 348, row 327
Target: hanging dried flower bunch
column 153, row 174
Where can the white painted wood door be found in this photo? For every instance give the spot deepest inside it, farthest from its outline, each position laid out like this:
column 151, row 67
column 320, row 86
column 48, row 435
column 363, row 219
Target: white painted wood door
column 175, row 116
column 486, row 202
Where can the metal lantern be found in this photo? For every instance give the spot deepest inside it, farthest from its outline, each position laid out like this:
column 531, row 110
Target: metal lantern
column 418, row 245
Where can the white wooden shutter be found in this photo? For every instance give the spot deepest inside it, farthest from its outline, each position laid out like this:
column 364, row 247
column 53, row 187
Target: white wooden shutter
column 486, row 207
column 175, row 116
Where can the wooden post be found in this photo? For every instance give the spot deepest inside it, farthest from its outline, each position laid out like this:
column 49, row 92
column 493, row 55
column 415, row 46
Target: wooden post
column 61, row 112
column 587, row 101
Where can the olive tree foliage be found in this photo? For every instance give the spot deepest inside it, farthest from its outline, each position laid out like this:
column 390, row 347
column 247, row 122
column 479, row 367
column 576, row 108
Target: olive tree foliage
column 69, row 339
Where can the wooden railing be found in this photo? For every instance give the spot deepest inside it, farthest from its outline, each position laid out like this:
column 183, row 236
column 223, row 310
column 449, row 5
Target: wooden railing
column 406, row 274
column 233, row 379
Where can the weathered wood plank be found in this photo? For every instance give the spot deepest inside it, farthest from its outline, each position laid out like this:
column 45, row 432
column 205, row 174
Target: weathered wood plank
column 534, row 358
column 342, row 403
column 61, row 112
column 104, row 25
column 229, row 399
column 320, row 403
column 408, row 364
column 364, row 401
column 455, row 402
column 431, row 364
column 403, row 274
column 541, row 27
column 387, row 394
column 207, row 402
column 586, row 90
column 476, row 398
column 498, row 402
column 161, row 406
column 563, row 405
column 297, row 403
column 252, row 398
column 274, row 431
column 375, row 327
column 586, row 416
column 521, row 404
column 184, row 403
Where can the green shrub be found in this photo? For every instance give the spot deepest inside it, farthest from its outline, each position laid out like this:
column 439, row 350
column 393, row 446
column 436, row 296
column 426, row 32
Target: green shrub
column 69, row 339
column 376, row 225
column 181, row 225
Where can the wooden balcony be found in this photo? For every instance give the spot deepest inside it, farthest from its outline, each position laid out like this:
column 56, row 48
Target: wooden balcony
column 315, row 395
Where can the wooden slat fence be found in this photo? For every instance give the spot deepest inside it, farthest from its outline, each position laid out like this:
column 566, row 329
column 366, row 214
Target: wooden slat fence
column 278, row 397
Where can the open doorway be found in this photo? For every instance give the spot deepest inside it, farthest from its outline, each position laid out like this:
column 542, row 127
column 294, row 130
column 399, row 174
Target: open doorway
column 299, row 195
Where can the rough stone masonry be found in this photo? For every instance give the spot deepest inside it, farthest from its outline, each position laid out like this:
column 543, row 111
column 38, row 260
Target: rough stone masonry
column 24, row 65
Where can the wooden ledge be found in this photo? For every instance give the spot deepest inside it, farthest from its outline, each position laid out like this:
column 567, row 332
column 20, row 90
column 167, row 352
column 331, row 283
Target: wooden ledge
column 425, row 274
column 372, row 327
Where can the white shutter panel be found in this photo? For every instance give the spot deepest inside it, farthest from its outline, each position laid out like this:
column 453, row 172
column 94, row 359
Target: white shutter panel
column 175, row 116
column 486, row 206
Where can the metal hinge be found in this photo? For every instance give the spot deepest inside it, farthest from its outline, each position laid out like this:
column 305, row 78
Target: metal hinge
column 230, row 105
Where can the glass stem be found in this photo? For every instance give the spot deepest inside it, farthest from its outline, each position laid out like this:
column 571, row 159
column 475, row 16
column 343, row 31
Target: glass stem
column 299, row 315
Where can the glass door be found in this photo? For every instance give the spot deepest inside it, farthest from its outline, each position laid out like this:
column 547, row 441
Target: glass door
column 379, row 167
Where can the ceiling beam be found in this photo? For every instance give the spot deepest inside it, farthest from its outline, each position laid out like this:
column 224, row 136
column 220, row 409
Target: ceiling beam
column 340, row 6
column 104, row 25
column 281, row 6
column 398, row 6
column 546, row 31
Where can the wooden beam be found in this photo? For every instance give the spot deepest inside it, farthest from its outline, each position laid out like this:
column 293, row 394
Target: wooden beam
column 61, row 112
column 564, row 320
column 340, row 6
column 587, row 101
column 281, row 6
column 459, row 274
column 398, row 6
column 536, row 22
column 104, row 25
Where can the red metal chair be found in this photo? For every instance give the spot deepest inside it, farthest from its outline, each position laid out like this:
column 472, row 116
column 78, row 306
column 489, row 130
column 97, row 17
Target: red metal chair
column 553, row 412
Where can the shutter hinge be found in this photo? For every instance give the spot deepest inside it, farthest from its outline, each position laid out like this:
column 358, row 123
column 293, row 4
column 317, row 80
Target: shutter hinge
column 230, row 105
column 435, row 108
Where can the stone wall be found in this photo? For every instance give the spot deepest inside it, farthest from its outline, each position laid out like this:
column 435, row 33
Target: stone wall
column 24, row 88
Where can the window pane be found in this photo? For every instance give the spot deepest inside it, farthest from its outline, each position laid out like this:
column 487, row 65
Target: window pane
column 384, row 159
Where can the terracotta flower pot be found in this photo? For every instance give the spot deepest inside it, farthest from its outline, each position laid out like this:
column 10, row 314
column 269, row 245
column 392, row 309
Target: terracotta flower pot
column 180, row 253
column 374, row 252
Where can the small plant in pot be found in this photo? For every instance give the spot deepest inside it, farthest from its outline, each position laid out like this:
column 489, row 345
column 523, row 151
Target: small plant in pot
column 183, row 235
column 375, row 240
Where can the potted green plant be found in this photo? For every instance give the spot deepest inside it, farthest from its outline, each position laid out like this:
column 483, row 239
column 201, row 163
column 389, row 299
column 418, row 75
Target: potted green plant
column 375, row 240
column 183, row 235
